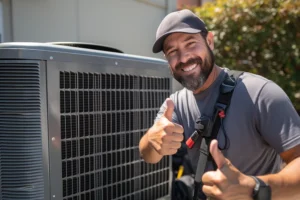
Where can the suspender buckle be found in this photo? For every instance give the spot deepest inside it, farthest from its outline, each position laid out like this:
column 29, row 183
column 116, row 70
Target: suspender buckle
column 203, row 128
column 220, row 110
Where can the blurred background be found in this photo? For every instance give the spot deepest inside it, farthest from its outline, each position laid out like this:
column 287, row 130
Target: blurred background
column 260, row 36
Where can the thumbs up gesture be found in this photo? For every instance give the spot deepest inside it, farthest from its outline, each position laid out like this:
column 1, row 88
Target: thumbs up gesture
column 227, row 182
column 166, row 136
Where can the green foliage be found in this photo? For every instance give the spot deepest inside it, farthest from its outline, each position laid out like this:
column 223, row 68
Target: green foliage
column 259, row 36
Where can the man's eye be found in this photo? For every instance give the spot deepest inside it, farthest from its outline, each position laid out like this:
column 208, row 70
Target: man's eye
column 191, row 43
column 171, row 52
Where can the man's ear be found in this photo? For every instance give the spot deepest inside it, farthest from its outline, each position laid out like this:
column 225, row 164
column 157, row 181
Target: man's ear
column 210, row 40
column 170, row 68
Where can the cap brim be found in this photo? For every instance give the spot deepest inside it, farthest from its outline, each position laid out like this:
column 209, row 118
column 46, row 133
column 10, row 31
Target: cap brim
column 158, row 45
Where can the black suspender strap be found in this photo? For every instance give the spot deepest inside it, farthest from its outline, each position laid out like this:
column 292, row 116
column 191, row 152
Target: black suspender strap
column 223, row 102
column 224, row 99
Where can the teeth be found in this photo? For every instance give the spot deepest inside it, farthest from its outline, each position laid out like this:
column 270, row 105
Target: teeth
column 187, row 69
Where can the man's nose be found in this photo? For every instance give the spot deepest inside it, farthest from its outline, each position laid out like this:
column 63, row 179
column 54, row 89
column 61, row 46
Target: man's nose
column 184, row 56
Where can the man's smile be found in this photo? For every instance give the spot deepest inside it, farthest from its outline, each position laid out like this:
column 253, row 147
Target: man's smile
column 189, row 67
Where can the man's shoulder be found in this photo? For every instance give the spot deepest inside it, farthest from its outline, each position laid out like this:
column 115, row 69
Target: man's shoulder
column 182, row 97
column 249, row 85
column 253, row 76
column 253, row 82
column 248, row 76
column 181, row 94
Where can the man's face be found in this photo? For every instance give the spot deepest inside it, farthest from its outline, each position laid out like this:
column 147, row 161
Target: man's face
column 190, row 59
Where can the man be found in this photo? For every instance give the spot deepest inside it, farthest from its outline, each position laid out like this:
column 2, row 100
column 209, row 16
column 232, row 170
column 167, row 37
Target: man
column 262, row 127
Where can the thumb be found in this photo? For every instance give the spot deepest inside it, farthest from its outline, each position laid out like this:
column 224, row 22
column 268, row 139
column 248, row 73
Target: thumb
column 169, row 109
column 217, row 154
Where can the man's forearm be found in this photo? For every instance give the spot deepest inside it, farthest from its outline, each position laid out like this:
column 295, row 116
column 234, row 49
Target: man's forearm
column 148, row 153
column 286, row 183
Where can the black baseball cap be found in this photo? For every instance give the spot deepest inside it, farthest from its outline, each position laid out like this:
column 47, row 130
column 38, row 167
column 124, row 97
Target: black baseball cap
column 183, row 21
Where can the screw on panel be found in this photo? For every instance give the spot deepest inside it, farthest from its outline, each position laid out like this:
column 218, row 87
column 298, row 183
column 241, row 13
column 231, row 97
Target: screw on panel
column 51, row 58
column 116, row 63
column 53, row 138
column 53, row 196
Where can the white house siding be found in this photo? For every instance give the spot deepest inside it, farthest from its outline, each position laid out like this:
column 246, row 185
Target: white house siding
column 128, row 25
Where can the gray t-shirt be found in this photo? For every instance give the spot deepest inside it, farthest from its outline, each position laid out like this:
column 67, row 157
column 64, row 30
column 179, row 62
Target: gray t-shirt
column 261, row 122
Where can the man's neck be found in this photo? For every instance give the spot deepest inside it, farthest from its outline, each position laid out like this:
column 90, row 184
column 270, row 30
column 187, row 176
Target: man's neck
column 211, row 78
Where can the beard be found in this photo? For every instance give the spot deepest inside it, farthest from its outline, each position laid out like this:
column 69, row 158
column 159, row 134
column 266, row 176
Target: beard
column 196, row 80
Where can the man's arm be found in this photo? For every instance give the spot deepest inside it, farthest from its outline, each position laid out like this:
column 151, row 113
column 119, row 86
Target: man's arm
column 279, row 125
column 227, row 182
column 286, row 183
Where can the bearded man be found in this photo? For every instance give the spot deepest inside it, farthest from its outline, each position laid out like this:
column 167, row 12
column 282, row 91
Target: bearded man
column 261, row 130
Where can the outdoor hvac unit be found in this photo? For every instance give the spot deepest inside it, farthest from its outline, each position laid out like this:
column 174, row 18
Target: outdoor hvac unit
column 70, row 123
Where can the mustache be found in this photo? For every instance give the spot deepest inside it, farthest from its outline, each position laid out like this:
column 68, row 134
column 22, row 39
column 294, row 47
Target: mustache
column 191, row 61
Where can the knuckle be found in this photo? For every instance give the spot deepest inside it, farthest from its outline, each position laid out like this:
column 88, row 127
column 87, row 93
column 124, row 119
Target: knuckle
column 163, row 123
column 165, row 138
column 164, row 120
column 177, row 137
column 175, row 145
column 163, row 146
column 173, row 151
column 159, row 150
column 219, row 180
column 218, row 194
column 181, row 129
column 181, row 138
column 169, row 125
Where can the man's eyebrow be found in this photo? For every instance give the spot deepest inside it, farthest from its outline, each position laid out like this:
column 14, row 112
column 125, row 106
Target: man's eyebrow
column 189, row 38
column 167, row 48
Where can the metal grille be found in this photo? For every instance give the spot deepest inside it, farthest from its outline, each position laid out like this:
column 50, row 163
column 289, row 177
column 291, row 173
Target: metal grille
column 103, row 117
column 21, row 169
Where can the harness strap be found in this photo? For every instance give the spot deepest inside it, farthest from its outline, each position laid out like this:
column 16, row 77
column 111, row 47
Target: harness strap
column 223, row 102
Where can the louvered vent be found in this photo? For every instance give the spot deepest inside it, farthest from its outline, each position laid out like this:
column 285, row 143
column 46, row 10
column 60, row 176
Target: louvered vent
column 21, row 170
column 103, row 117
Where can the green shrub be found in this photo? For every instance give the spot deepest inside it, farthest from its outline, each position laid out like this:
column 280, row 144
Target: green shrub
column 259, row 36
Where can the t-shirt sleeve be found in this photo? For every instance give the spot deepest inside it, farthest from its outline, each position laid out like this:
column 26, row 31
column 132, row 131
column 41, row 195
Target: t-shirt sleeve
column 162, row 110
column 278, row 121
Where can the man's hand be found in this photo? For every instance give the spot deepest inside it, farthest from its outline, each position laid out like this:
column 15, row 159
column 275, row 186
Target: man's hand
column 227, row 182
column 165, row 136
